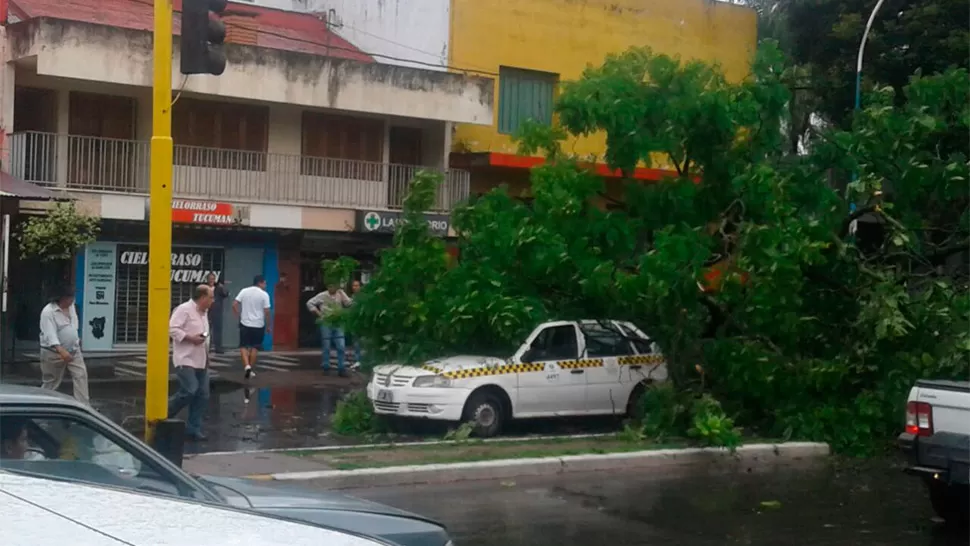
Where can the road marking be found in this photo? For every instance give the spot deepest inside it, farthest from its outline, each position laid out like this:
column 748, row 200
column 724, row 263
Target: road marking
column 126, row 371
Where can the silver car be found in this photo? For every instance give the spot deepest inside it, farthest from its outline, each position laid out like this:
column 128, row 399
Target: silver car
column 45, row 511
column 63, row 439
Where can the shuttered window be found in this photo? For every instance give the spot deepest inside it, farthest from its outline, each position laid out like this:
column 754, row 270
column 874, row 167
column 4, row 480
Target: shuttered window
column 341, row 146
column 522, row 95
column 220, row 135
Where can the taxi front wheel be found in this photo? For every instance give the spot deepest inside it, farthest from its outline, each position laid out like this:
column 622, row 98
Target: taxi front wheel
column 484, row 412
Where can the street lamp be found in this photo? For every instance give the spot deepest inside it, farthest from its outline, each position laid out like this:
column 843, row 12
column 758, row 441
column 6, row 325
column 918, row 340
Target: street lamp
column 858, row 89
column 862, row 51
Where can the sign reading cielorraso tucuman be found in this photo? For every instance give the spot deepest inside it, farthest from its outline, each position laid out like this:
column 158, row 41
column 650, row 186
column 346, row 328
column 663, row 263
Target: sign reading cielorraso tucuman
column 383, row 221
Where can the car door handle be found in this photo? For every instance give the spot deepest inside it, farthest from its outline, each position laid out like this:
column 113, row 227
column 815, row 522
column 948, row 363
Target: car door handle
column 577, row 371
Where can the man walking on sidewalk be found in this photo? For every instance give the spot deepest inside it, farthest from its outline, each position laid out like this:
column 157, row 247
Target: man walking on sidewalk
column 252, row 307
column 60, row 346
column 189, row 329
column 219, row 295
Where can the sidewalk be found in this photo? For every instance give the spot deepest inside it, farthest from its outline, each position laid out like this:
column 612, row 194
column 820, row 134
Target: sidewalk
column 131, row 368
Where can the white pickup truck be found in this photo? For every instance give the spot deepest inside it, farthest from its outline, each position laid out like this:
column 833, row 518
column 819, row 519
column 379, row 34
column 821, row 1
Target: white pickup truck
column 563, row 368
column 937, row 445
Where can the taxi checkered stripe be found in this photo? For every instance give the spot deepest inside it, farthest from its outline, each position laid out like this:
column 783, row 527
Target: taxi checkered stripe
column 574, row 364
column 639, row 359
column 482, row 372
column 523, row 368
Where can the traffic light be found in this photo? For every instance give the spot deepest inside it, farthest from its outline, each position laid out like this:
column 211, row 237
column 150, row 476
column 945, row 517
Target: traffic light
column 202, row 37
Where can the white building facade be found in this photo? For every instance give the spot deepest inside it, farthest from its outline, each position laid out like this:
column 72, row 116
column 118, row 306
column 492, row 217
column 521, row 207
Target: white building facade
column 306, row 134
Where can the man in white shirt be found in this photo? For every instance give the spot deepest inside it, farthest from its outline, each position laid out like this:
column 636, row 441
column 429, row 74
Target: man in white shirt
column 252, row 307
column 60, row 345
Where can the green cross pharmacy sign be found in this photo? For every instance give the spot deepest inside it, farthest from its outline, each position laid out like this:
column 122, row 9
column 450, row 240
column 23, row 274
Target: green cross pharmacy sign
column 385, row 221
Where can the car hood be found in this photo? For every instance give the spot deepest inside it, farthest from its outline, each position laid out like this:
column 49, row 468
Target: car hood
column 439, row 365
column 245, row 493
column 332, row 510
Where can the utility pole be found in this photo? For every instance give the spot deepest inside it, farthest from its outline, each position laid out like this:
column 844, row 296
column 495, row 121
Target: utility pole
column 160, row 223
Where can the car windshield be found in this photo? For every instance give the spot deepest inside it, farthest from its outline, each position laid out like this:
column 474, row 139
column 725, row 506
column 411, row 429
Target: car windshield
column 67, row 449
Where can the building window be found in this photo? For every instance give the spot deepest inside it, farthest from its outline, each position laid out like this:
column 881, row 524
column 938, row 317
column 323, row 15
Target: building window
column 522, row 95
column 101, row 154
column 220, row 135
column 338, row 146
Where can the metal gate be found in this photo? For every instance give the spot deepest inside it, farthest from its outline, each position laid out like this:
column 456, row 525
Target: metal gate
column 190, row 265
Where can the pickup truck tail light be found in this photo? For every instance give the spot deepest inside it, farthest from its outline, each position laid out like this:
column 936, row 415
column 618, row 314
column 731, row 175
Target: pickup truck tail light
column 919, row 418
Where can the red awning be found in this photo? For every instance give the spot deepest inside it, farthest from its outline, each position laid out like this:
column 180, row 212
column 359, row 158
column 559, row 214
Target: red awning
column 11, row 186
column 495, row 159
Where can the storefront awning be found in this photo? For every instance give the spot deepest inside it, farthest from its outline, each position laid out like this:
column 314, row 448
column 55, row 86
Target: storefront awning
column 473, row 160
column 11, row 186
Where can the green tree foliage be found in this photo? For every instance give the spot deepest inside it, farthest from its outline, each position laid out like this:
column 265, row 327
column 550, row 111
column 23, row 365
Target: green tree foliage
column 823, row 37
column 58, row 234
column 811, row 333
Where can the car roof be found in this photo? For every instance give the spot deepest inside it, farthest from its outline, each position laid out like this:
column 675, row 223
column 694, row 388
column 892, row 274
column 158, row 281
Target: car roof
column 43, row 511
column 21, row 394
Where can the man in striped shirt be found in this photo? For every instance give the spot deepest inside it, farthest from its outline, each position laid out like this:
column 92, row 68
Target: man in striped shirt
column 323, row 305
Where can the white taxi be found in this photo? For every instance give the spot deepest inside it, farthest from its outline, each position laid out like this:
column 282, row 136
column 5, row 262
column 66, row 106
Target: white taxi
column 564, row 368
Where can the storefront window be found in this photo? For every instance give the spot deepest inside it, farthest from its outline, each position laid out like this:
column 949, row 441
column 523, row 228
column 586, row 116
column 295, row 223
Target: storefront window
column 190, row 266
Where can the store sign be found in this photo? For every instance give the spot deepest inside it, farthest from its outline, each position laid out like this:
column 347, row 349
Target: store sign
column 185, row 211
column 187, row 267
column 98, row 306
column 373, row 221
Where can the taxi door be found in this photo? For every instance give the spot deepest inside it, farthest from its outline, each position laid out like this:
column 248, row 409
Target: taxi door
column 606, row 346
column 552, row 388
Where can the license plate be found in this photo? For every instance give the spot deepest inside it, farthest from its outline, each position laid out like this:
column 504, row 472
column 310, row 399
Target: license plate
column 384, row 395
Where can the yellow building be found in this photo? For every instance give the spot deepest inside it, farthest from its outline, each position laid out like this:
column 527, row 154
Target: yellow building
column 534, row 44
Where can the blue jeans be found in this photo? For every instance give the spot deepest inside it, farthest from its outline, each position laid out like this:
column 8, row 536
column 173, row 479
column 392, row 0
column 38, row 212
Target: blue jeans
column 194, row 393
column 328, row 334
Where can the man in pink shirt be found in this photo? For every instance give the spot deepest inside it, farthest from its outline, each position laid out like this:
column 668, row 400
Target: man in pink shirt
column 189, row 329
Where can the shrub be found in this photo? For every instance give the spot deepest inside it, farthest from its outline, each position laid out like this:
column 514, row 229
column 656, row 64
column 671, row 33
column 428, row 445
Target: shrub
column 355, row 416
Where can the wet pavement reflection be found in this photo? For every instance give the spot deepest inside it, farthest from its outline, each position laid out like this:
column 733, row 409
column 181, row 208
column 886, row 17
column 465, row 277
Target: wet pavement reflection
column 240, row 419
column 288, row 416
column 837, row 505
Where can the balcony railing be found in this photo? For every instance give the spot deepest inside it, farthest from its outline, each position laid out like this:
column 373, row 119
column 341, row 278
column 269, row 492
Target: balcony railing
column 113, row 165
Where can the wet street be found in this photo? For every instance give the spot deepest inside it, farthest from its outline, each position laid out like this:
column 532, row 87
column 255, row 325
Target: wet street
column 874, row 505
column 292, row 410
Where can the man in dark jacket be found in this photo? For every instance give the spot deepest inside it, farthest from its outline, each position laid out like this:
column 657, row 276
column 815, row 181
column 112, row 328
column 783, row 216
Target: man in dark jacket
column 220, row 294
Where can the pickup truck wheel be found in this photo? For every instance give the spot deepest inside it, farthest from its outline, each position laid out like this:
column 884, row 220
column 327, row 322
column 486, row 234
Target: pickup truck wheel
column 950, row 502
column 484, row 412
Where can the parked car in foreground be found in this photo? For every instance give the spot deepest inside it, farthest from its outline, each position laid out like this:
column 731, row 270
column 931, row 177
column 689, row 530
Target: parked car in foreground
column 69, row 441
column 44, row 511
column 563, row 368
column 937, row 445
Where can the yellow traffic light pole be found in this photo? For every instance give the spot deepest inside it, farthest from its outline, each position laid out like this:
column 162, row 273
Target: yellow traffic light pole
column 160, row 223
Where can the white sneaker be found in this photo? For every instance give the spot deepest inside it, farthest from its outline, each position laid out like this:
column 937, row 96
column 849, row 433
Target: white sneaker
column 249, row 373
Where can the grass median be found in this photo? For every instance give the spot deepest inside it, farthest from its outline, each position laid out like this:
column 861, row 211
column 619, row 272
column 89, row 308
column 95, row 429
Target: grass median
column 476, row 450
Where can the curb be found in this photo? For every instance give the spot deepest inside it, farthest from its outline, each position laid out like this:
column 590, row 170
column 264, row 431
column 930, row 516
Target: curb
column 764, row 455
column 388, row 445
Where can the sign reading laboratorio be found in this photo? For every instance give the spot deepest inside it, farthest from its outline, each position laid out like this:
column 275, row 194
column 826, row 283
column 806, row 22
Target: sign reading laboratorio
column 186, row 211
column 382, row 221
column 187, row 267
column 98, row 306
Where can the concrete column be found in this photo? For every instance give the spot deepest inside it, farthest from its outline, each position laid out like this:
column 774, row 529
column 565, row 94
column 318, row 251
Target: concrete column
column 63, row 140
column 7, row 88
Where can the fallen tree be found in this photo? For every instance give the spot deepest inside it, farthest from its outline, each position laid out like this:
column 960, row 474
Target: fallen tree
column 815, row 327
